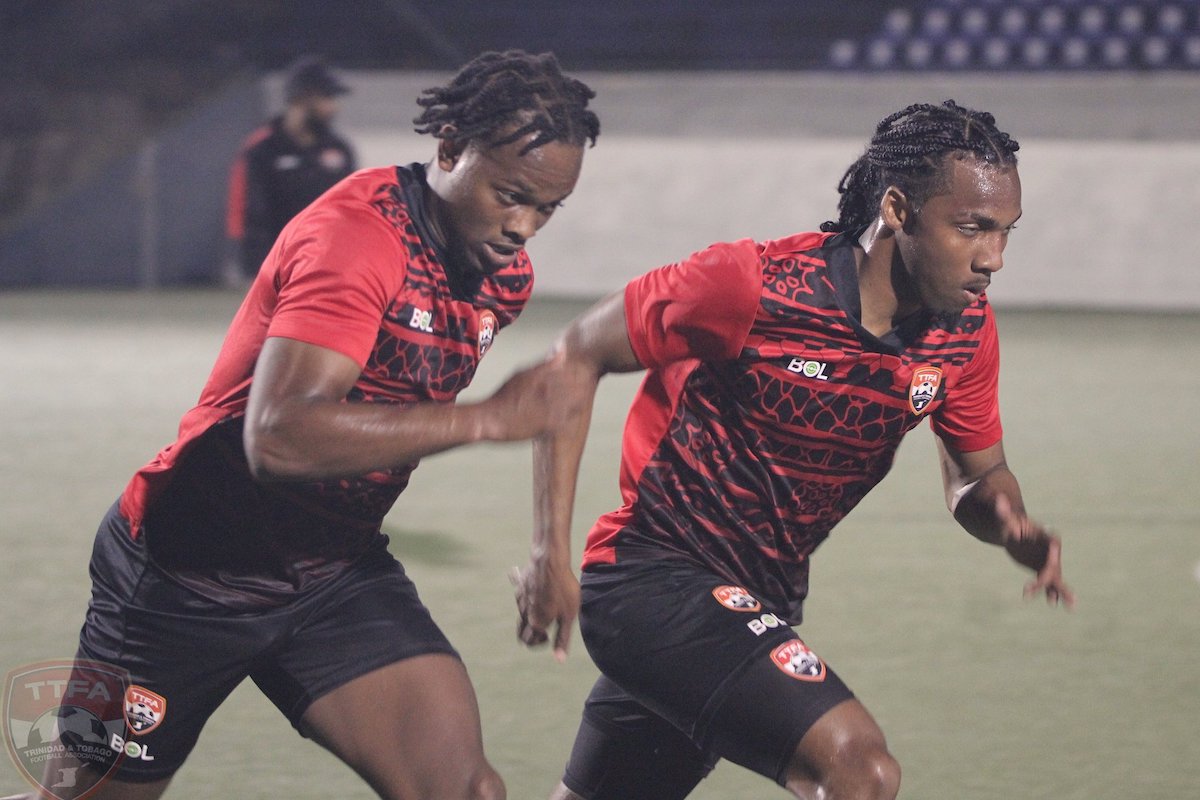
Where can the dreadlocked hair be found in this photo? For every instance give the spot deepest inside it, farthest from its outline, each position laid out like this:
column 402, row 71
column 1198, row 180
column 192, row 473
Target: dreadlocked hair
column 909, row 150
column 496, row 90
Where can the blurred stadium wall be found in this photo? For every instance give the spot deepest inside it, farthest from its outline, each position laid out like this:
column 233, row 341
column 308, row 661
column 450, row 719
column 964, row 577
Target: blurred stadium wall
column 1109, row 166
column 719, row 120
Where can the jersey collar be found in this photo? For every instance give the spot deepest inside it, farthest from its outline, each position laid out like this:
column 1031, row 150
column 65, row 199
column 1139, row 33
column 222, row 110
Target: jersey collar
column 843, row 274
column 464, row 283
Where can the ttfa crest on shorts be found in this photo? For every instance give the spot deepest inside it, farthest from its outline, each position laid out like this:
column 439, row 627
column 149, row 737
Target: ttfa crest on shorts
column 60, row 716
column 736, row 598
column 796, row 660
column 144, row 709
column 924, row 388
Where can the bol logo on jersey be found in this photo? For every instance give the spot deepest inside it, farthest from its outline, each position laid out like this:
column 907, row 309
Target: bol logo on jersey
column 736, row 598
column 809, row 368
column 796, row 660
column 421, row 320
column 924, row 388
column 487, row 331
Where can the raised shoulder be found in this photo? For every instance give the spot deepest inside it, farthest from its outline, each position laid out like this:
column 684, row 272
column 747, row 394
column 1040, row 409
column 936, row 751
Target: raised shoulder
column 795, row 243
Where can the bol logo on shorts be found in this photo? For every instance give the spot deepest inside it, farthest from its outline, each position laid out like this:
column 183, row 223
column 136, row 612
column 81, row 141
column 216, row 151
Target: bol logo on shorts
column 63, row 715
column 736, row 598
column 795, row 659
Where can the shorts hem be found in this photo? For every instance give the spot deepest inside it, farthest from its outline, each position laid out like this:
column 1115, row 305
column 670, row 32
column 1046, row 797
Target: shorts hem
column 141, row 776
column 296, row 713
column 782, row 770
column 568, row 782
column 703, row 725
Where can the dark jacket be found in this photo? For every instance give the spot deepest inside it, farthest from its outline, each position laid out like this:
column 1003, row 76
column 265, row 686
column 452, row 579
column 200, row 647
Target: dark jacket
column 273, row 179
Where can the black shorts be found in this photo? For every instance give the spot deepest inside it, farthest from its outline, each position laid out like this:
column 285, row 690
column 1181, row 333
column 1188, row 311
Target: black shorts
column 694, row 670
column 191, row 652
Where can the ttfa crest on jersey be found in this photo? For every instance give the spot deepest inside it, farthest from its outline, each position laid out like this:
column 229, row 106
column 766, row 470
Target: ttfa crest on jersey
column 796, row 660
column 144, row 709
column 487, row 331
column 736, row 598
column 924, row 388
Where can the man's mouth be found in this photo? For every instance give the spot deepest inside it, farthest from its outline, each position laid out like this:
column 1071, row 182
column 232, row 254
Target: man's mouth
column 505, row 251
column 976, row 289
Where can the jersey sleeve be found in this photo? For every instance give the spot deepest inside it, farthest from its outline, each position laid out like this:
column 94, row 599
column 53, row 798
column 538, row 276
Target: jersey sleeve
column 969, row 419
column 702, row 307
column 337, row 273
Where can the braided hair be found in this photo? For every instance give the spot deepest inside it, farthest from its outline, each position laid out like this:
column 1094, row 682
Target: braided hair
column 909, row 150
column 496, row 90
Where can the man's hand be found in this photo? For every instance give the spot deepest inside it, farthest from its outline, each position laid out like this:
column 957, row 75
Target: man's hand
column 1033, row 546
column 547, row 597
column 538, row 400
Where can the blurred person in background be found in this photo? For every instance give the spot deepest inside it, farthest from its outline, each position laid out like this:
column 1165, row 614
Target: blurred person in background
column 286, row 164
column 251, row 546
column 781, row 378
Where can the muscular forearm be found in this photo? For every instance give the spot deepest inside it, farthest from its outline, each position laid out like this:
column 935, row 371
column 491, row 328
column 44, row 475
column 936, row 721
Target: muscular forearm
column 974, row 505
column 300, row 427
column 547, row 590
column 594, row 345
column 985, row 498
column 319, row 439
column 556, row 460
column 979, row 510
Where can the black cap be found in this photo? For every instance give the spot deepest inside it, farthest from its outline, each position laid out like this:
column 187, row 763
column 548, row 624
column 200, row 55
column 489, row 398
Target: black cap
column 309, row 76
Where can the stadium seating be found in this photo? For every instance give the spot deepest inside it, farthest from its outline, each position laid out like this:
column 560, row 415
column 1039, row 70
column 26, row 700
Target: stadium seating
column 84, row 86
column 992, row 35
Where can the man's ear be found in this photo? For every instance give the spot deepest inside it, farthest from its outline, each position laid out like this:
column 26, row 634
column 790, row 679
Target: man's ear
column 449, row 150
column 895, row 209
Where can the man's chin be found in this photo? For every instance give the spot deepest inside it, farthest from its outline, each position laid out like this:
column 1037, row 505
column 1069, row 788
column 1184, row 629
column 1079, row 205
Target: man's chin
column 470, row 267
column 480, row 268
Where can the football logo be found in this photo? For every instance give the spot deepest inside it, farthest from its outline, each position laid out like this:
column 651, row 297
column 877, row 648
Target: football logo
column 61, row 716
column 487, row 331
column 144, row 710
column 797, row 661
column 736, row 598
column 924, row 388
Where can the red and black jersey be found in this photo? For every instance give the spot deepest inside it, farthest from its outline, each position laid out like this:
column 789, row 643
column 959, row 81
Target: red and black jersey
column 357, row 272
column 273, row 179
column 768, row 411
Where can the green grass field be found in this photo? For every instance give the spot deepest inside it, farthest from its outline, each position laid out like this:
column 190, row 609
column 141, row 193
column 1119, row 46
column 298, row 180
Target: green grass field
column 982, row 694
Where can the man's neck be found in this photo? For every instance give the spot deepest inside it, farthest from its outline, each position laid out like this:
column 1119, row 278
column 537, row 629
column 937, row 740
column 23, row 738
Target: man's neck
column 882, row 306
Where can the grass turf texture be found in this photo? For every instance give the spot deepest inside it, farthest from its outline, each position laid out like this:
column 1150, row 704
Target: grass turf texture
column 982, row 695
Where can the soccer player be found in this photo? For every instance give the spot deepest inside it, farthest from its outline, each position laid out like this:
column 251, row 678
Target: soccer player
column 781, row 377
column 287, row 163
column 252, row 545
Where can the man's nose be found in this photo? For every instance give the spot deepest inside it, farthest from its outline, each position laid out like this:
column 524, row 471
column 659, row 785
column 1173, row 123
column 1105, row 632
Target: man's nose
column 521, row 224
column 990, row 257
